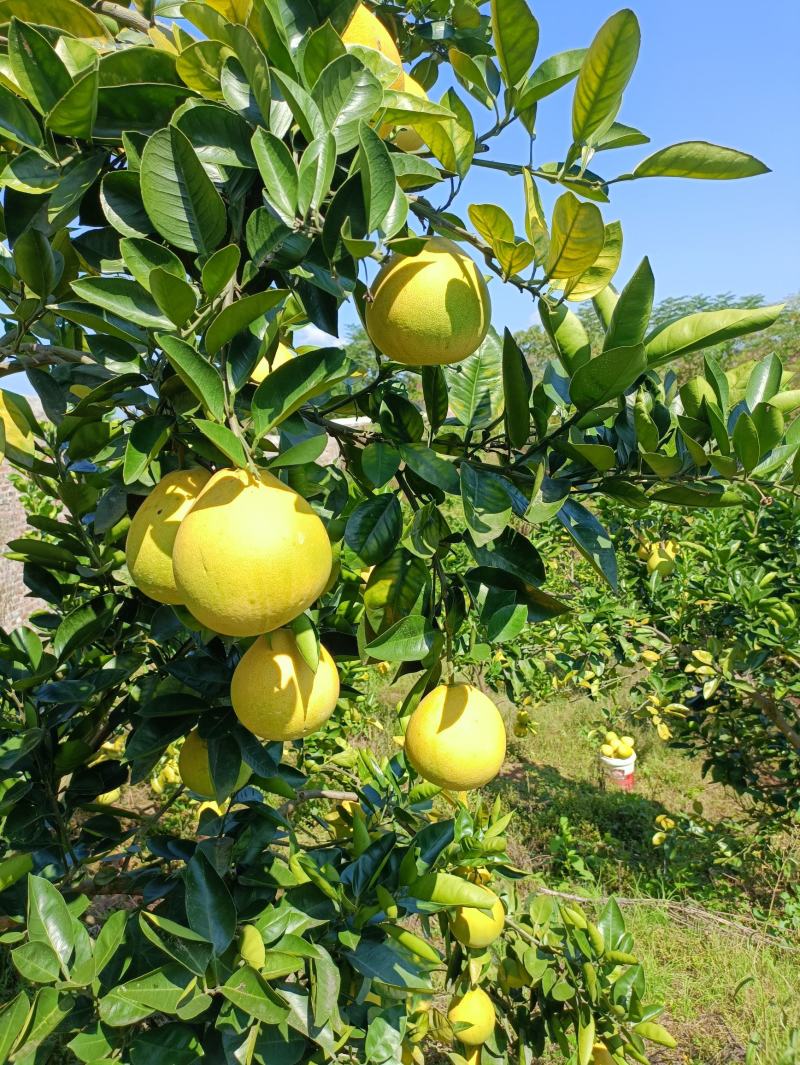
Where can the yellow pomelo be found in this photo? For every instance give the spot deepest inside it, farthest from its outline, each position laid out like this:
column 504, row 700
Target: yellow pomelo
column 407, row 139
column 17, row 433
column 456, row 738
column 475, row 928
column 474, row 1009
column 282, row 355
column 251, row 555
column 274, row 693
column 366, row 29
column 152, row 532
column 194, row 768
column 429, row 309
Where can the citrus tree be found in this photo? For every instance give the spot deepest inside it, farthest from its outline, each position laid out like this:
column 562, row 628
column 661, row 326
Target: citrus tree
column 184, row 189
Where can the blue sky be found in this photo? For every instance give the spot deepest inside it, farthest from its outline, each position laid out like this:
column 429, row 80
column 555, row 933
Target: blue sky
column 718, row 70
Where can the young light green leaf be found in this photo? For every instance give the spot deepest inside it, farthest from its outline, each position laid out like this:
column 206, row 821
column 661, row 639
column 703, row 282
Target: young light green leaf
column 224, row 440
column 516, row 38
column 491, row 221
column 604, row 74
column 592, row 281
column 550, row 76
column 576, row 237
column 699, row 159
column 704, row 329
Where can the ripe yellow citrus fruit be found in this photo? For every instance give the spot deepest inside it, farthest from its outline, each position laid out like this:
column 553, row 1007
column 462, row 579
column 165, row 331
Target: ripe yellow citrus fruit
column 282, row 354
column 250, row 555
column 366, row 29
column 407, row 139
column 429, row 309
column 456, row 738
column 475, row 1010
column 600, row 1056
column 476, row 928
column 195, row 770
column 661, row 561
column 274, row 693
column 152, row 532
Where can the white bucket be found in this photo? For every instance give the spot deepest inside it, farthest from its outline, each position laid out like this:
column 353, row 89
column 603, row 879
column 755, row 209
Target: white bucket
column 620, row 771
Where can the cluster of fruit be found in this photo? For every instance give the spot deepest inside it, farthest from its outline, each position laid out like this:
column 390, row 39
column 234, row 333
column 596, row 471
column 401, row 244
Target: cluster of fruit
column 660, row 557
column 665, row 824
column 615, row 746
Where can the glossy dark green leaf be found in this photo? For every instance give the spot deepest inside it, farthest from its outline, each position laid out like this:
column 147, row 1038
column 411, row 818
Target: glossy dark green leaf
column 36, row 67
column 704, row 329
column 218, row 136
column 35, row 264
column 75, row 113
column 49, row 919
column 178, row 195
column 762, row 384
column 315, row 172
column 237, row 316
column 431, row 467
column 380, row 462
column 373, row 529
column 122, row 297
column 220, row 269
column 278, row 172
column 289, row 386
column 159, row 991
column 121, row 201
column 631, row 314
column 476, row 384
column 435, row 394
column 224, row 439
column 607, row 376
column 567, row 334
column 306, row 451
column 197, row 373
column 591, row 539
column 145, row 440
column 745, row 441
column 378, row 180
column 516, row 391
column 16, row 121
column 604, row 74
column 408, row 640
column 516, row 38
column 174, row 296
column 487, row 504
column 251, row 993
column 345, row 93
column 209, row 907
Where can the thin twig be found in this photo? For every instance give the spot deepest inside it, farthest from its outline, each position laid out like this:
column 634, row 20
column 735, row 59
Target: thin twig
column 316, row 793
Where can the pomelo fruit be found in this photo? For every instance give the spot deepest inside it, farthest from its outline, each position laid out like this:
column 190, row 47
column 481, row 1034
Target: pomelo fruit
column 366, row 29
column 251, row 554
column 274, row 693
column 429, row 309
column 195, row 771
column 152, row 532
column 476, row 928
column 456, row 738
column 283, row 354
column 475, row 1010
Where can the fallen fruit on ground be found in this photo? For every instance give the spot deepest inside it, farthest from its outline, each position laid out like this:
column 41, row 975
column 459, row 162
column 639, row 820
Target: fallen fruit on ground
column 251, row 555
column 429, row 309
column 151, row 536
column 366, row 29
column 276, row 695
column 475, row 1011
column 456, row 738
column 195, row 770
column 476, row 928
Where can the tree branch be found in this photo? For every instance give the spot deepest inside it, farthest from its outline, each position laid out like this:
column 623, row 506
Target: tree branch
column 316, row 793
column 30, row 355
column 122, row 14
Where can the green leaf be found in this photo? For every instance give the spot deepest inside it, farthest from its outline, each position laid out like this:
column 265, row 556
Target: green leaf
column 577, row 235
column 487, row 504
column 315, row 174
column 145, row 440
column 179, row 197
column 159, row 991
column 123, row 297
column 278, row 172
column 550, row 76
column 604, row 74
column 409, row 640
column 36, row 66
column 224, row 440
column 68, row 16
column 631, row 314
column 567, row 334
column 121, row 200
column 75, row 113
column 50, row 1007
column 199, row 376
column 745, row 442
column 380, row 462
column 108, row 941
column 435, row 394
column 592, row 281
column 491, row 221
column 37, row 962
column 34, row 262
column 49, row 919
column 373, row 529
column 308, row 450
column 345, row 93
column 682, row 336
column 618, row 135
column 591, row 539
column 516, row 391
column 699, row 159
column 13, row 1017
column 763, row 383
column 378, row 181
column 220, row 269
column 237, row 316
column 247, row 990
column 175, row 297
column 511, row 553
column 516, row 38
column 476, row 384
column 431, row 467
column 655, row 1033
column 209, row 907
column 769, row 425
column 607, row 376
column 16, row 121
column 142, row 257
column 288, row 387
